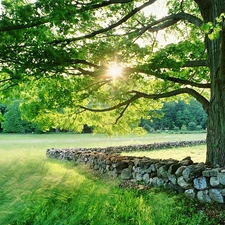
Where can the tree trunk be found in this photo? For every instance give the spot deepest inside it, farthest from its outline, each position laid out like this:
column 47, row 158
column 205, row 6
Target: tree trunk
column 211, row 9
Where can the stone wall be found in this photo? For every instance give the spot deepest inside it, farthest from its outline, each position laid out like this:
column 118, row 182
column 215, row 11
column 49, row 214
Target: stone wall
column 195, row 180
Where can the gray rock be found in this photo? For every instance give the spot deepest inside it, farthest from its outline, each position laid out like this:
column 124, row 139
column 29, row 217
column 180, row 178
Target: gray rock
column 200, row 183
column 118, row 170
column 172, row 178
column 157, row 182
column 190, row 193
column 203, row 196
column 216, row 195
column 214, row 182
column 145, row 164
column 180, row 170
column 201, row 166
column 142, row 171
column 186, row 161
column 150, row 181
column 183, row 183
column 138, row 176
column 173, row 168
column 136, row 162
column 126, row 174
column 223, row 192
column 221, row 178
column 162, row 172
column 210, row 173
column 96, row 167
column 148, row 170
column 136, row 169
column 158, row 165
column 188, row 173
column 108, row 168
column 146, row 178
column 152, row 167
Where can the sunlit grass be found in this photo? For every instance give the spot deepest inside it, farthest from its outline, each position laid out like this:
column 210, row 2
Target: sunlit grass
column 197, row 153
column 63, row 140
column 35, row 190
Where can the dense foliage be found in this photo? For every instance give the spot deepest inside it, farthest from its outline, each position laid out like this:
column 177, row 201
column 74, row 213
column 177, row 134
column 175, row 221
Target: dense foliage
column 177, row 116
column 12, row 120
column 172, row 116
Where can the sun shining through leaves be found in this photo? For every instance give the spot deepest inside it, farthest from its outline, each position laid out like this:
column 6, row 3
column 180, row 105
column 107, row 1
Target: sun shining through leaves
column 115, row 71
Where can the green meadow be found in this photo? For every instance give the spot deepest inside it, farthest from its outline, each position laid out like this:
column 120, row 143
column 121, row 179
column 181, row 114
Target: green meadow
column 35, row 190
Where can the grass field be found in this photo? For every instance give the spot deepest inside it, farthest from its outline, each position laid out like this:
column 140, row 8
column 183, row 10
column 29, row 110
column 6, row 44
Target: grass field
column 40, row 191
column 197, row 153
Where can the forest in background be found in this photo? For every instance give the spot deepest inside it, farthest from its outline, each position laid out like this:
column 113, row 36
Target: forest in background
column 177, row 116
column 174, row 115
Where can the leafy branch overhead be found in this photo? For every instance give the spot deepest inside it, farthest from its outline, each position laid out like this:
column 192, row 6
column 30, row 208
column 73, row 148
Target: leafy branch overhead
column 76, row 42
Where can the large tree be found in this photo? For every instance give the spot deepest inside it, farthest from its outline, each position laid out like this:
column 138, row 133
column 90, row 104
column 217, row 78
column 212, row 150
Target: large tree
column 61, row 50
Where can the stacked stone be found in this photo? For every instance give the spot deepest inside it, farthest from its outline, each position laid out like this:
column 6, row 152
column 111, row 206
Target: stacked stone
column 195, row 180
column 130, row 148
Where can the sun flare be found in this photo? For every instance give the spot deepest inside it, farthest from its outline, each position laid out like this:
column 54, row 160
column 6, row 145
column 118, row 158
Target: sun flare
column 115, row 70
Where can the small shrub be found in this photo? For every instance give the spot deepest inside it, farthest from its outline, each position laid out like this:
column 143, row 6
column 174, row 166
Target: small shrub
column 199, row 127
column 184, row 127
column 176, row 128
column 148, row 128
column 192, row 126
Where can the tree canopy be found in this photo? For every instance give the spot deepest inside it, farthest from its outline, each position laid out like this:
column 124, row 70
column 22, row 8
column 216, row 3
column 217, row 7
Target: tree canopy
column 58, row 54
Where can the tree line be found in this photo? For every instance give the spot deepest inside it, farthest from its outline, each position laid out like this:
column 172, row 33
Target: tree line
column 177, row 116
column 174, row 115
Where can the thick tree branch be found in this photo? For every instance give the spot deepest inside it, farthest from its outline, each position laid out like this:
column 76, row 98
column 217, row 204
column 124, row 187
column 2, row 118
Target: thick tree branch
column 195, row 63
column 85, row 62
column 168, row 78
column 110, row 27
column 169, row 21
column 129, row 70
column 192, row 92
column 40, row 21
column 137, row 95
column 127, row 102
column 104, row 3
column 47, row 19
column 185, row 82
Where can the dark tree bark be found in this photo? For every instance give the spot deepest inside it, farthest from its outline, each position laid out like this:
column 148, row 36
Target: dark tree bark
column 210, row 9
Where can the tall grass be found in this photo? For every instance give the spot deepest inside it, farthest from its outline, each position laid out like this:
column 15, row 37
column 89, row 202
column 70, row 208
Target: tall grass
column 39, row 191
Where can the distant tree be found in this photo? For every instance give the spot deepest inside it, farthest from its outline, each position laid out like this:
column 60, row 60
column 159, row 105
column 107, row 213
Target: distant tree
column 192, row 126
column 183, row 127
column 179, row 119
column 169, row 111
column 196, row 110
column 12, row 122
